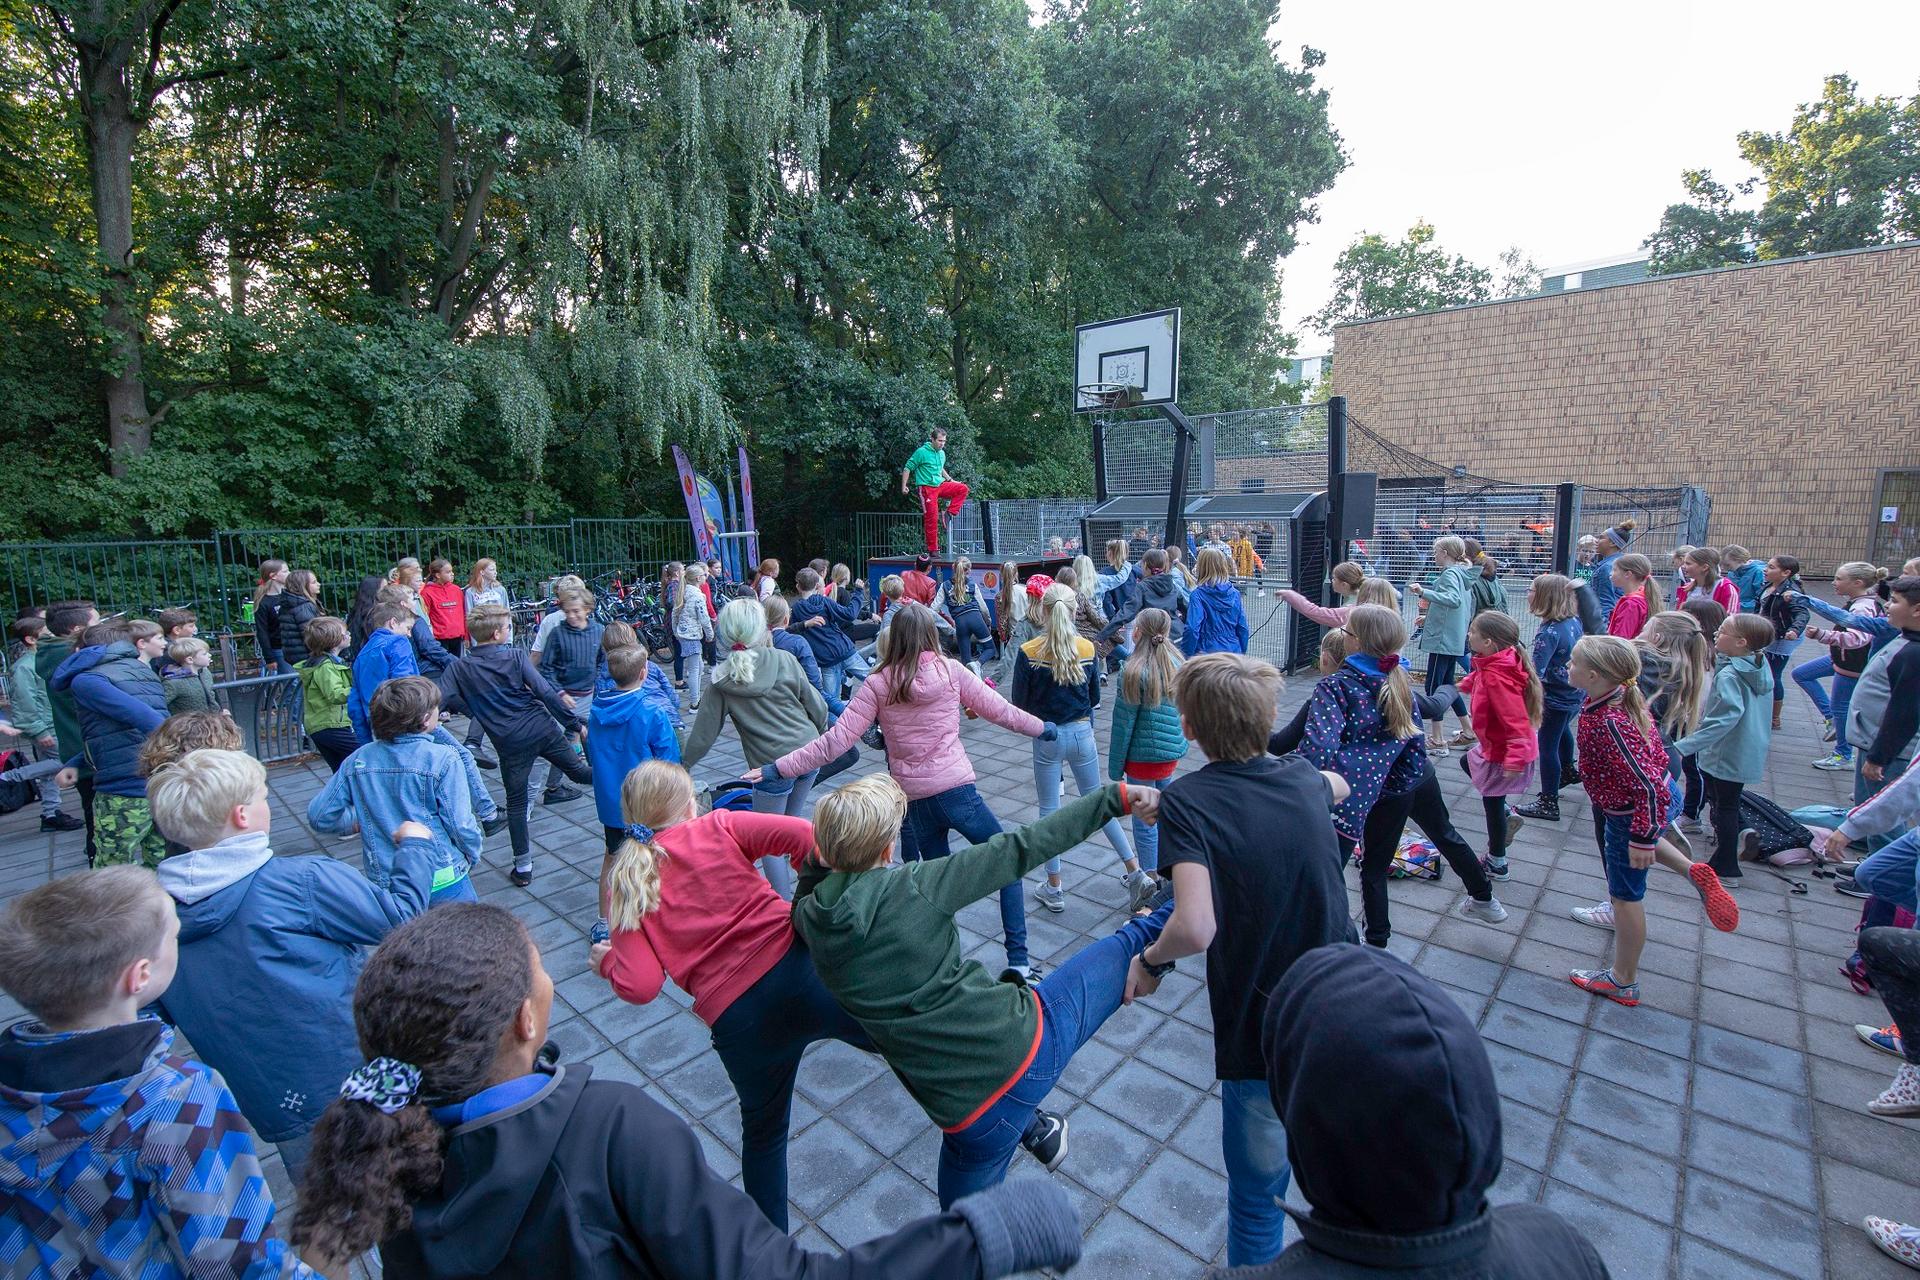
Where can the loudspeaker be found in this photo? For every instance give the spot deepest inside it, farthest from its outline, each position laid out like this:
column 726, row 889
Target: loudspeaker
column 1352, row 507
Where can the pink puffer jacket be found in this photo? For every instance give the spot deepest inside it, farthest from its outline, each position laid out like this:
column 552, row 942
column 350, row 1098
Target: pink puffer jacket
column 924, row 754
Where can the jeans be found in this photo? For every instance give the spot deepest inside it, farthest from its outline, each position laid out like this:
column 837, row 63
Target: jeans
column 541, row 779
column 1074, row 1001
column 1889, row 874
column 1777, row 663
column 786, row 796
column 970, row 633
column 1612, row 832
column 41, row 774
column 1440, row 667
column 460, row 890
column 1723, row 798
column 1146, row 839
column 834, row 677
column 1254, row 1148
column 516, row 776
column 1556, row 748
column 1892, row 957
column 924, row 835
column 760, row 1038
column 1075, row 747
column 1808, row 676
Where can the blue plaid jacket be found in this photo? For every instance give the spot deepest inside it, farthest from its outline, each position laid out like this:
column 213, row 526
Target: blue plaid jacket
column 150, row 1176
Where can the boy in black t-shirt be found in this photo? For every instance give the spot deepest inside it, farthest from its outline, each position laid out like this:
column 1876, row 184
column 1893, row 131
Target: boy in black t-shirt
column 1248, row 842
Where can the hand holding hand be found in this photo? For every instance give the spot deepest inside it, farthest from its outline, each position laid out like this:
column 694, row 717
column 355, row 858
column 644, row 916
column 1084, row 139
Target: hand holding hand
column 1145, row 803
column 753, row 775
column 1051, row 733
column 1139, row 982
column 411, row 830
column 1791, row 634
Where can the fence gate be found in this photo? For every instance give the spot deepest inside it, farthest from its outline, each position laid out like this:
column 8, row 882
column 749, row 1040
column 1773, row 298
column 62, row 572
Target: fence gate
column 1896, row 527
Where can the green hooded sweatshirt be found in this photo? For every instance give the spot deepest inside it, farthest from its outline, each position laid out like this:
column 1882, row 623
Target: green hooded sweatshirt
column 885, row 944
column 48, row 655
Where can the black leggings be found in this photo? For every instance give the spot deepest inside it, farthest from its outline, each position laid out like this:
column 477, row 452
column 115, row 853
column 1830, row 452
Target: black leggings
column 1892, row 957
column 1723, row 798
column 1695, row 787
column 1440, row 667
column 1385, row 821
column 969, row 633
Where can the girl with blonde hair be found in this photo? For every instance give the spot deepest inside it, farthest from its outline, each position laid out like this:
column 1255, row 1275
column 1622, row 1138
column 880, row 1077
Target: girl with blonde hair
column 1056, row 679
column 1216, row 618
column 1554, row 600
column 684, row 904
column 1146, row 743
column 1862, row 589
column 959, row 603
column 774, row 707
column 1361, row 724
column 1443, row 636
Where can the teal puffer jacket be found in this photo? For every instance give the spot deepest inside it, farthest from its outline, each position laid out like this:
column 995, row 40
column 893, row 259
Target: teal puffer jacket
column 1150, row 735
column 1449, row 607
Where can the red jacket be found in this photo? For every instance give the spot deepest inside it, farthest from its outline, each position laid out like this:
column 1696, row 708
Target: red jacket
column 706, row 589
column 920, row 586
column 446, row 604
column 1724, row 593
column 1498, row 686
column 1629, row 617
column 719, row 926
column 1623, row 769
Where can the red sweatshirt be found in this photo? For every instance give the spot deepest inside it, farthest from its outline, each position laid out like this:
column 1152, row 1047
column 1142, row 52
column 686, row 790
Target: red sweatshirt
column 719, row 926
column 446, row 604
column 1498, row 686
column 1623, row 769
column 1629, row 617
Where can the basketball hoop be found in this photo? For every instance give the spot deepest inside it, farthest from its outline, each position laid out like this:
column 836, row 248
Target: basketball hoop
column 1107, row 395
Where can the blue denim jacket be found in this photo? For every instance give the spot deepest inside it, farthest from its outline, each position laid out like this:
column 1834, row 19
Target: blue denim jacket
column 411, row 778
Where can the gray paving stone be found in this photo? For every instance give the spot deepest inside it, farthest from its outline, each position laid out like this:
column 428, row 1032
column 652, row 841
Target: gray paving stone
column 878, row 1206
column 824, row 1164
column 1122, row 1247
column 1755, row 1059
column 1752, row 1226
column 1635, row 1066
column 1630, row 1178
column 1627, row 1114
column 1526, row 1135
column 1185, row 1201
column 1701, row 1261
column 1629, row 1244
column 1146, row 1098
column 1743, row 1156
column 1106, row 1155
column 1757, row 1106
column 1525, row 1078
column 1535, row 1033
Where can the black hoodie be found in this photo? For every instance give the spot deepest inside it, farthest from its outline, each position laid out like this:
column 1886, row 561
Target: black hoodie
column 594, row 1178
column 498, row 685
column 1393, row 1129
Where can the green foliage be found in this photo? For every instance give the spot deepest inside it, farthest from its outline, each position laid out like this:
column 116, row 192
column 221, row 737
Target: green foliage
column 426, row 261
column 1375, row 277
column 1844, row 175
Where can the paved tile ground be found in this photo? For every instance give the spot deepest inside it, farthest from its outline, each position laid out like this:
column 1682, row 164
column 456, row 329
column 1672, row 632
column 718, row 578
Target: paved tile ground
column 1719, row 1130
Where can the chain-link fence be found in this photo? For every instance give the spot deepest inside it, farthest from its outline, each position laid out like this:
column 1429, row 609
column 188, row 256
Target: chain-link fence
column 1031, row 527
column 1664, row 518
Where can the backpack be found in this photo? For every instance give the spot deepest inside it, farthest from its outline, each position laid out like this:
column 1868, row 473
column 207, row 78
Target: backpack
column 14, row 795
column 1777, row 829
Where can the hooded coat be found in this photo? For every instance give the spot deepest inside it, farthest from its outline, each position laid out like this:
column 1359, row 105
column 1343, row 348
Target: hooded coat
column 382, row 657
column 1736, row 728
column 774, row 712
column 624, row 729
column 1157, row 591
column 119, row 701
column 1497, row 687
column 120, row 1159
column 1216, row 621
column 269, row 953
column 1369, row 1057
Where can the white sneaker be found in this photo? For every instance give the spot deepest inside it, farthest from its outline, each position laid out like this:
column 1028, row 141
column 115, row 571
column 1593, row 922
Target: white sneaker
column 1140, row 887
column 1488, row 912
column 1053, row 897
column 1600, row 917
column 1902, row 1097
column 1834, row 763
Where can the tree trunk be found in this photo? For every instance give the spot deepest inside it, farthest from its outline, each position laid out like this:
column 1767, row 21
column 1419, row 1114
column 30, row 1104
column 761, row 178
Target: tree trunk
column 237, row 279
column 110, row 132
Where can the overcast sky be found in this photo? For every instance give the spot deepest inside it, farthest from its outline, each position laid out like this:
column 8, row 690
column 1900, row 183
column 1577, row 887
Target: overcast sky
column 1559, row 128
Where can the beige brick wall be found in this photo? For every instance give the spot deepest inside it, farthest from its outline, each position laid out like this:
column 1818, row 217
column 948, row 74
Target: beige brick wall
column 1782, row 389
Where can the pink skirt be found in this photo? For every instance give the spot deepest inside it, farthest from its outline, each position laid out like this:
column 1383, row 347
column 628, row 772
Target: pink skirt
column 1489, row 779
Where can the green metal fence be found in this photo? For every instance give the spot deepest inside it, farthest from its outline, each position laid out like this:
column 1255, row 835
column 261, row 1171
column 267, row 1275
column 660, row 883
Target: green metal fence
column 215, row 576
column 856, row 536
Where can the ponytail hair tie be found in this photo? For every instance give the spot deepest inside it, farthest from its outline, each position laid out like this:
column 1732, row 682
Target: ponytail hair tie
column 1389, row 663
column 1156, row 639
column 738, row 648
column 387, row 1084
column 639, row 831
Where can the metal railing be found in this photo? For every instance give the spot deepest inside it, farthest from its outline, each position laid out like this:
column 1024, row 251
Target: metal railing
column 267, row 712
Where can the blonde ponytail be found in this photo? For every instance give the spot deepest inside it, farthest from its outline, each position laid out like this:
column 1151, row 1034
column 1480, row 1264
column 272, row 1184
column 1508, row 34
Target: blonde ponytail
column 655, row 794
column 1147, row 679
column 1617, row 662
column 1060, row 639
column 1379, row 633
column 743, row 628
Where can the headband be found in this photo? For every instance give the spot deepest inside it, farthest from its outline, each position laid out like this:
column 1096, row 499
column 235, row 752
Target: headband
column 387, row 1084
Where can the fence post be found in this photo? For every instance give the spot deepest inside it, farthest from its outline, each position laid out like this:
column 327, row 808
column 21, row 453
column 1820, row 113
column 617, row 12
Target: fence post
column 1566, row 525
column 220, row 582
column 987, row 539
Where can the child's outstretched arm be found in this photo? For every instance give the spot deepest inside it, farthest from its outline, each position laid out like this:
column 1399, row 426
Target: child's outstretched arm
column 951, row 883
column 844, row 732
column 984, row 702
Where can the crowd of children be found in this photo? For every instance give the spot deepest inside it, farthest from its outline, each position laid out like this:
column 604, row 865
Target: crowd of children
column 384, row 1029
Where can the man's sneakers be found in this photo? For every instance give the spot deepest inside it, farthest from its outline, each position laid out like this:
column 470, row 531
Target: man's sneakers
column 1141, row 886
column 1026, row 975
column 1834, row 763
column 1488, row 912
column 1886, row 1039
column 1723, row 913
column 1600, row 915
column 560, row 795
column 1496, row 869
column 495, row 825
column 61, row 822
column 1052, row 896
column 1546, row 808
column 1046, row 1139
column 520, row 878
column 1902, row 1097
column 1601, row 982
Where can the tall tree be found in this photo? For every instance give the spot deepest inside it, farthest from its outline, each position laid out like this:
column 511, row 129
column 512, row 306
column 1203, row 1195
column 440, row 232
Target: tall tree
column 1704, row 231
column 1375, row 276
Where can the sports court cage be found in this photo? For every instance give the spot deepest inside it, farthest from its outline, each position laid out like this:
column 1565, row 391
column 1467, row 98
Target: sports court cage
column 1026, row 528
column 1279, row 449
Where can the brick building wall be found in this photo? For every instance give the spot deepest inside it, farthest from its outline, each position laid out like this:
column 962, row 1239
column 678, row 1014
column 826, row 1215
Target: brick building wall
column 1782, row 388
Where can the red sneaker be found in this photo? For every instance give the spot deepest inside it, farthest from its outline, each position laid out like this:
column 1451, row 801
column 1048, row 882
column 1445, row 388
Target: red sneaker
column 1723, row 913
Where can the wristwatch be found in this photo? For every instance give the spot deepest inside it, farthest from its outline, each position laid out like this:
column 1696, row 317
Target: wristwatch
column 1155, row 970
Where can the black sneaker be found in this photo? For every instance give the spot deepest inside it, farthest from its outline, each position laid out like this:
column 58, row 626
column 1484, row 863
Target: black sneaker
column 872, row 739
column 1496, row 870
column 483, row 760
column 61, row 822
column 1546, row 808
column 1848, row 885
column 1569, row 777
column 1046, row 1139
column 521, row 878
column 560, row 795
column 495, row 825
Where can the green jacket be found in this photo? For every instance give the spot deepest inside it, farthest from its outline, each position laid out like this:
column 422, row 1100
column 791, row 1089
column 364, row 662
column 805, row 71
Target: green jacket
column 188, row 690
column 1449, row 606
column 325, row 684
column 1150, row 735
column 885, row 944
column 48, row 655
column 776, row 712
column 27, row 690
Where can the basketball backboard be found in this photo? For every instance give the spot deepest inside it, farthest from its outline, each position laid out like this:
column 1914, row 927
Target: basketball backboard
column 1127, row 362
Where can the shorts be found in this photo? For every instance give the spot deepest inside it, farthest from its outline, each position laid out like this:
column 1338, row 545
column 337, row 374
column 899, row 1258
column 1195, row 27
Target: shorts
column 1625, row 882
column 123, row 832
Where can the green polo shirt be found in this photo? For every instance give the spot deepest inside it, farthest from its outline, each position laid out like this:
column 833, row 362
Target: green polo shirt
column 927, row 464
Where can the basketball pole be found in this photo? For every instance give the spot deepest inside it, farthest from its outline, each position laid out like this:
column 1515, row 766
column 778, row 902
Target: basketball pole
column 1183, row 438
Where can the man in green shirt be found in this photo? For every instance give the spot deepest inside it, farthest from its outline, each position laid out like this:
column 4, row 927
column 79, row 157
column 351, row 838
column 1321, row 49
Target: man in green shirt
column 927, row 469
